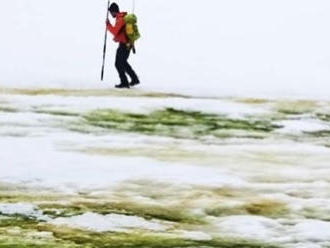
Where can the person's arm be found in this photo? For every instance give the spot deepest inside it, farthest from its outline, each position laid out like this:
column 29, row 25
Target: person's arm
column 117, row 28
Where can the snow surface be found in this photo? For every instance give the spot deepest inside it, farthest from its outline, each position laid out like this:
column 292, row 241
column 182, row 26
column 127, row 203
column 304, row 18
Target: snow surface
column 313, row 231
column 307, row 233
column 249, row 227
column 42, row 152
column 107, row 223
column 23, row 209
column 19, row 208
column 61, row 170
column 272, row 49
column 299, row 126
column 198, row 236
column 130, row 104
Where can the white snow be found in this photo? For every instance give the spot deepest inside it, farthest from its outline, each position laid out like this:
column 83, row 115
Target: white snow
column 312, row 231
column 198, row 236
column 60, row 170
column 19, row 208
column 24, row 209
column 250, row 227
column 131, row 104
column 299, row 126
column 222, row 47
column 305, row 233
column 111, row 222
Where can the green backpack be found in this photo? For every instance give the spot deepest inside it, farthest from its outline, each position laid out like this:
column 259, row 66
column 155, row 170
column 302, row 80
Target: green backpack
column 131, row 28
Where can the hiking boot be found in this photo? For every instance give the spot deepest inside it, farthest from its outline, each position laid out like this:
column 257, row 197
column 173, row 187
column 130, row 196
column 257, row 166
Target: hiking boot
column 122, row 86
column 134, row 83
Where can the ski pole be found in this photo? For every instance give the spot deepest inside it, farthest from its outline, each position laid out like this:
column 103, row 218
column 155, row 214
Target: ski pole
column 133, row 7
column 105, row 43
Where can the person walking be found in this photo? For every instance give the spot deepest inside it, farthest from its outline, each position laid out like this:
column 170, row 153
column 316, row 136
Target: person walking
column 124, row 49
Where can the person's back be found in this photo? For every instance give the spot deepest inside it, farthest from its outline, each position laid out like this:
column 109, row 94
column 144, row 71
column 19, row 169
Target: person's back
column 124, row 49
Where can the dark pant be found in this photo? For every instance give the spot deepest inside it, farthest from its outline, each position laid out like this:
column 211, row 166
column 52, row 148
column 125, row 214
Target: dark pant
column 122, row 65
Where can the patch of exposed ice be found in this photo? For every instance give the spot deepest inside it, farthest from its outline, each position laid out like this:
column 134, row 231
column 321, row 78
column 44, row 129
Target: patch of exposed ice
column 112, row 222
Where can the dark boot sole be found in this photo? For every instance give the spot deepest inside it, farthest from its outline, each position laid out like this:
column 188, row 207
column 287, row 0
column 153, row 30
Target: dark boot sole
column 133, row 84
column 122, row 86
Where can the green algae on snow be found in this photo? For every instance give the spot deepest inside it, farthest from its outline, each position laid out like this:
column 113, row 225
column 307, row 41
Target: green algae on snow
column 298, row 107
column 172, row 153
column 175, row 123
column 323, row 117
column 20, row 221
column 8, row 109
column 24, row 232
column 267, row 208
column 20, row 195
column 322, row 214
column 91, row 92
column 32, row 234
column 57, row 113
column 253, row 101
column 28, row 232
column 57, row 205
column 174, row 214
column 320, row 133
column 143, row 240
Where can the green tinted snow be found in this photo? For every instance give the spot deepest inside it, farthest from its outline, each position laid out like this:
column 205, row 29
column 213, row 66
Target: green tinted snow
column 176, row 123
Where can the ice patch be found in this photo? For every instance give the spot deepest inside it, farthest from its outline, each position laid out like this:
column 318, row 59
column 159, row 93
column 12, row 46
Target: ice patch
column 111, row 222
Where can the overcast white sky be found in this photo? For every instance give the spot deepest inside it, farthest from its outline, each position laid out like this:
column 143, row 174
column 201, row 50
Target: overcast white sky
column 211, row 46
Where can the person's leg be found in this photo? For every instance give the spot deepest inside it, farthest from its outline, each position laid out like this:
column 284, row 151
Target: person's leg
column 121, row 64
column 128, row 69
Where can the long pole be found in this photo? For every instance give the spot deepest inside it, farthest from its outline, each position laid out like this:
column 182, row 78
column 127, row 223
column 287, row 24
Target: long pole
column 133, row 7
column 105, row 43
